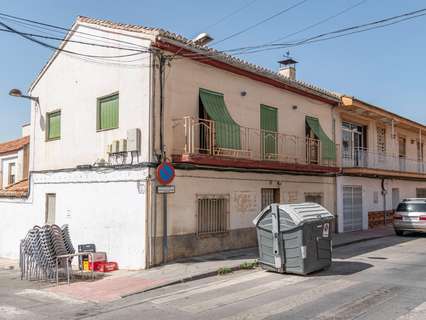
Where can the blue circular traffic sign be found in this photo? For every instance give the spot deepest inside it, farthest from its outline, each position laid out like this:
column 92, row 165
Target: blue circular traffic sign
column 165, row 173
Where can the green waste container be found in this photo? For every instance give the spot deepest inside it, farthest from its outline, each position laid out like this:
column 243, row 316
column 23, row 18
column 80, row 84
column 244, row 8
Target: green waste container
column 294, row 238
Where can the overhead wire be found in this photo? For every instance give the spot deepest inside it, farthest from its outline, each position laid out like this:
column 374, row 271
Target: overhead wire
column 317, row 38
column 231, row 14
column 233, row 35
column 60, row 29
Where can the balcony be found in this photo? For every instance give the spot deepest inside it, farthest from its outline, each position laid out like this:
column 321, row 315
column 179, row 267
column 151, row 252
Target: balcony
column 364, row 158
column 212, row 143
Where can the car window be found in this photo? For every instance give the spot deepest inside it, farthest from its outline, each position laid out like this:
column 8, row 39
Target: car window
column 411, row 207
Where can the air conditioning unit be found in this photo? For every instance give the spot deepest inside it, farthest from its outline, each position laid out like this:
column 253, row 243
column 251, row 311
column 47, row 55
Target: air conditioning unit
column 122, row 145
column 115, row 146
column 134, row 140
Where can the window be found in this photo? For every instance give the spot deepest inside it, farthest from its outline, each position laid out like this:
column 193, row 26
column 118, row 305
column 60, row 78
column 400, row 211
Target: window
column 50, row 208
column 11, row 173
column 314, row 197
column 107, row 112
column 421, row 193
column 53, row 120
column 212, row 214
column 269, row 196
column 411, row 207
column 381, row 140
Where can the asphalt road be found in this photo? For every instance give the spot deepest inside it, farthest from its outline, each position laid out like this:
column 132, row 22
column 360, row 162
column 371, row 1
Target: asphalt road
column 381, row 279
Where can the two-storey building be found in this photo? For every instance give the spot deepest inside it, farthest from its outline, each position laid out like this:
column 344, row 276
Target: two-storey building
column 239, row 136
column 382, row 156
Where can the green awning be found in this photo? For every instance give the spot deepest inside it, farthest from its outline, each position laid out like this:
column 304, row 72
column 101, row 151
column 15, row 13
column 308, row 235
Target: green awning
column 226, row 129
column 328, row 148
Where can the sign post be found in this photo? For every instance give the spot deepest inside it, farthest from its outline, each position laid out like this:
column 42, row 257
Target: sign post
column 165, row 174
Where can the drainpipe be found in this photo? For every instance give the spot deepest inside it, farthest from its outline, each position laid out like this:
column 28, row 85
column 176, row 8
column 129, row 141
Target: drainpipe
column 163, row 153
column 384, row 192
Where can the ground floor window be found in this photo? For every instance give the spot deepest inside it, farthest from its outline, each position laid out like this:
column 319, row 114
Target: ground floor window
column 212, row 214
column 50, row 208
column 269, row 196
column 314, row 197
column 11, row 179
column 421, row 193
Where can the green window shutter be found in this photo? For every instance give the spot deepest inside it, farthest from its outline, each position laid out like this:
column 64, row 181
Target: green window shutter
column 269, row 129
column 54, row 125
column 227, row 130
column 328, row 147
column 108, row 112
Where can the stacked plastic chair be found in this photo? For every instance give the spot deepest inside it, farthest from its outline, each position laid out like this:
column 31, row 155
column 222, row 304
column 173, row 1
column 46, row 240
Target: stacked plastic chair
column 39, row 250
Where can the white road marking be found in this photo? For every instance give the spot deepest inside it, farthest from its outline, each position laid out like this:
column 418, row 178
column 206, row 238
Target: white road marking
column 418, row 313
column 206, row 288
column 242, row 295
column 48, row 295
column 292, row 302
column 359, row 306
column 11, row 312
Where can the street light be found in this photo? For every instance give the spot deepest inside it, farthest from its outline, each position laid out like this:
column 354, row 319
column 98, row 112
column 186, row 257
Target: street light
column 18, row 94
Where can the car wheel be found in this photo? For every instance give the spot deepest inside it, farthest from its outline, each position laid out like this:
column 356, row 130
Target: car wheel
column 399, row 232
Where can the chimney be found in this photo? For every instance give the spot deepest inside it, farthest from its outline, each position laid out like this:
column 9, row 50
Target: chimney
column 288, row 68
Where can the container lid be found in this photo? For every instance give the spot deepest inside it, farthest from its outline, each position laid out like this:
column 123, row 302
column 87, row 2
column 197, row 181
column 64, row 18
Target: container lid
column 293, row 215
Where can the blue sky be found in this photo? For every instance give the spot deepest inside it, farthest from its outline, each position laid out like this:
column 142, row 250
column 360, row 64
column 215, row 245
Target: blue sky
column 384, row 67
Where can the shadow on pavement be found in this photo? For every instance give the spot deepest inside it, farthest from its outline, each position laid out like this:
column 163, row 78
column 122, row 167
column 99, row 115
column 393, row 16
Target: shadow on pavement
column 343, row 268
column 360, row 248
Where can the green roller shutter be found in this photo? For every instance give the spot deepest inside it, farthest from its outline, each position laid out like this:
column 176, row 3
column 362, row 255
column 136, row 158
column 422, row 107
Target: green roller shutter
column 328, row 148
column 108, row 112
column 269, row 127
column 227, row 130
column 54, row 125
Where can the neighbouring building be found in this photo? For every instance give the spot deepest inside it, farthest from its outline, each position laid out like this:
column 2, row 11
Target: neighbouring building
column 14, row 161
column 383, row 162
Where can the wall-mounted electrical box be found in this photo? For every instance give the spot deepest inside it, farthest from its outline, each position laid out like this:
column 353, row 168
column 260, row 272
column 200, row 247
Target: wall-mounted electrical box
column 122, row 145
column 115, row 146
column 134, row 140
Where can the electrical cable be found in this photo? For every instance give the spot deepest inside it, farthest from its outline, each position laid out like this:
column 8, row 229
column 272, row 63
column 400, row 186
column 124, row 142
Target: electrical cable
column 46, row 45
column 231, row 14
column 261, row 22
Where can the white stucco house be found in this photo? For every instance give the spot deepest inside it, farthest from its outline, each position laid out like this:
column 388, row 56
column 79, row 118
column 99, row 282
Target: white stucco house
column 239, row 136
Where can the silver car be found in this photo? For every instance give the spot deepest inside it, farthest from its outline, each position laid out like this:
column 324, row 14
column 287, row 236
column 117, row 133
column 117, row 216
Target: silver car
column 410, row 215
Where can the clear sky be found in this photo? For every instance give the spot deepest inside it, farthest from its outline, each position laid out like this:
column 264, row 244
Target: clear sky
column 386, row 67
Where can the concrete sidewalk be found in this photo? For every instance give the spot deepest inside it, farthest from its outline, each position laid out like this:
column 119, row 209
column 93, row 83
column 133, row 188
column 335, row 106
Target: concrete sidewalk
column 123, row 283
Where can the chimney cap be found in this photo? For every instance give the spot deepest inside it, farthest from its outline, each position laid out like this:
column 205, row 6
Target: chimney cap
column 287, row 62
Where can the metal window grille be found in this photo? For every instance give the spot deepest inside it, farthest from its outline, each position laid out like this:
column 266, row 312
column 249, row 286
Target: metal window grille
column 212, row 214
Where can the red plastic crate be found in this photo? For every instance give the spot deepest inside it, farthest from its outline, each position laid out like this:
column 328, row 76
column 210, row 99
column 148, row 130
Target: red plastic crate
column 105, row 266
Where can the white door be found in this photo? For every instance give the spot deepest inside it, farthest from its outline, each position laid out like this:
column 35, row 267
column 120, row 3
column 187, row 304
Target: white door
column 50, row 208
column 352, row 208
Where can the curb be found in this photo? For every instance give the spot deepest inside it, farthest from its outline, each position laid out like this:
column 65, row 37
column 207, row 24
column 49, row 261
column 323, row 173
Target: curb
column 235, row 268
column 360, row 240
column 182, row 280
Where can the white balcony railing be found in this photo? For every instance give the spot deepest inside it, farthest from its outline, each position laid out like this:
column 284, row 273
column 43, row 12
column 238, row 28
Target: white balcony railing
column 200, row 136
column 364, row 158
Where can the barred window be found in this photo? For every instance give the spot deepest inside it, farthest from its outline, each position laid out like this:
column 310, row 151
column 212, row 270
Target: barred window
column 212, row 214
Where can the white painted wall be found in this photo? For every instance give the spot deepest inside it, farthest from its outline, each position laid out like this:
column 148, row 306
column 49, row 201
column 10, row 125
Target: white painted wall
column 406, row 188
column 104, row 207
column 73, row 84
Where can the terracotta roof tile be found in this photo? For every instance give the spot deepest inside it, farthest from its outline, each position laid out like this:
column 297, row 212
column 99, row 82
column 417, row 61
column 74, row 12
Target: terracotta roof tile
column 16, row 190
column 14, row 145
